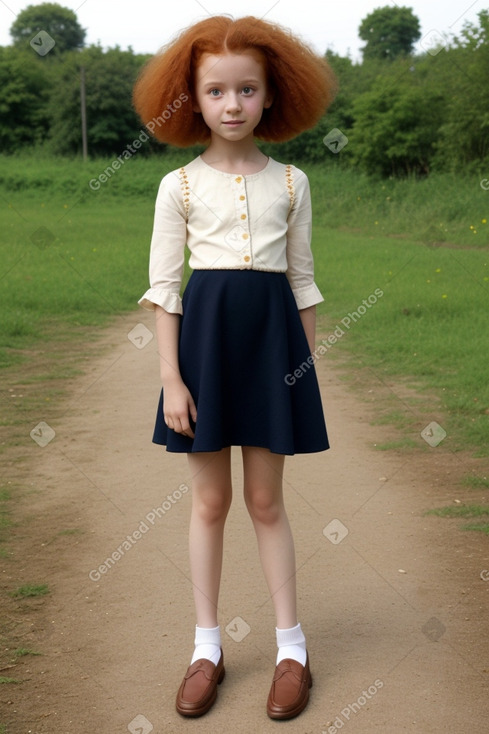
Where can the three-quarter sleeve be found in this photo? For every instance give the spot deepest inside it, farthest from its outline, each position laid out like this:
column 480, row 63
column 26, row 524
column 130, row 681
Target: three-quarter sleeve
column 167, row 254
column 300, row 263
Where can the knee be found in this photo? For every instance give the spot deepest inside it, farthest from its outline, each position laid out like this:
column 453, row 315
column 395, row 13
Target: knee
column 263, row 507
column 211, row 505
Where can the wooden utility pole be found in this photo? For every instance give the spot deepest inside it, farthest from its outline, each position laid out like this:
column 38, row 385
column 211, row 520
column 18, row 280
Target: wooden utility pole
column 83, row 103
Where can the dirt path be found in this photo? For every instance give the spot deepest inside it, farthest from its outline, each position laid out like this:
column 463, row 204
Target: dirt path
column 395, row 611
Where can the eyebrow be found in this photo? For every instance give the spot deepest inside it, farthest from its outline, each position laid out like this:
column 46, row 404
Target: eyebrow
column 246, row 80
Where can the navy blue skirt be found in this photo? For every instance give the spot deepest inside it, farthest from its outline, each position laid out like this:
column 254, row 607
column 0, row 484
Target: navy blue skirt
column 241, row 339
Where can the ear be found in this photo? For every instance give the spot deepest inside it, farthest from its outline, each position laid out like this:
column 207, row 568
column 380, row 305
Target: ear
column 196, row 107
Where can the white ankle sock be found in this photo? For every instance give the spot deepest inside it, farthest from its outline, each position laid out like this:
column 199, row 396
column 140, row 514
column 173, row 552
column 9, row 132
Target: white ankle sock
column 291, row 644
column 207, row 644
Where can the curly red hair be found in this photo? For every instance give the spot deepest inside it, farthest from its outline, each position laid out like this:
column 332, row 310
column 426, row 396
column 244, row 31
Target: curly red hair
column 302, row 83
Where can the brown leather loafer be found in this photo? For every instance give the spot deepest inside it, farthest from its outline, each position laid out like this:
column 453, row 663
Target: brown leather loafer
column 289, row 693
column 198, row 690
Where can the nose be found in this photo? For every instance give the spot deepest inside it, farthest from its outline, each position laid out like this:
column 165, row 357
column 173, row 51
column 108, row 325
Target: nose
column 233, row 103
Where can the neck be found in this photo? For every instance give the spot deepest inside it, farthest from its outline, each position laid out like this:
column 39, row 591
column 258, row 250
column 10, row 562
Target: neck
column 242, row 156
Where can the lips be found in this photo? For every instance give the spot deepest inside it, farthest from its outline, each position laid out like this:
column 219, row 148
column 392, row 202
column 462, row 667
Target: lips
column 234, row 123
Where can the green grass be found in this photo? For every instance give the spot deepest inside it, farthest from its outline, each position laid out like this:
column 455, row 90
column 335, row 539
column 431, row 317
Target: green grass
column 476, row 482
column 465, row 511
column 460, row 511
column 23, row 651
column 69, row 179
column 89, row 272
column 30, row 590
column 443, row 208
column 430, row 325
column 72, row 259
column 480, row 527
column 396, row 417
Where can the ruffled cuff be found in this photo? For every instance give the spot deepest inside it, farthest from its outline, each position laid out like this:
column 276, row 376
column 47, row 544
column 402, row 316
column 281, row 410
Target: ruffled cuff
column 168, row 300
column 306, row 296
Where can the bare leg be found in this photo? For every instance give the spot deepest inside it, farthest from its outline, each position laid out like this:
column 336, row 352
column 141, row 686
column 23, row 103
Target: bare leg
column 211, row 500
column 263, row 495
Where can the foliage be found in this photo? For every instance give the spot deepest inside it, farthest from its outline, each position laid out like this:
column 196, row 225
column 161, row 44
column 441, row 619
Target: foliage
column 111, row 120
column 464, row 133
column 396, row 124
column 389, row 32
column 402, row 113
column 59, row 22
column 24, row 96
column 420, row 113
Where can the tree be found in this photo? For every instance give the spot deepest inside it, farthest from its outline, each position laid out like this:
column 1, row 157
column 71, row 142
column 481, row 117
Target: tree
column 463, row 76
column 397, row 124
column 389, row 32
column 61, row 24
column 111, row 120
column 24, row 91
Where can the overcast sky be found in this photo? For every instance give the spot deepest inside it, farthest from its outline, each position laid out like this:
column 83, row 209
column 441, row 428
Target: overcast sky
column 146, row 25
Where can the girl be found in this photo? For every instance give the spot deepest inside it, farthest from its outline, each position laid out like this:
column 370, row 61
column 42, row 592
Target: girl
column 247, row 318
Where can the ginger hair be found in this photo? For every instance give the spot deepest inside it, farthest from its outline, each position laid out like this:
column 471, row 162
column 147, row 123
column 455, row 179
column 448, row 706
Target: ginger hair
column 301, row 82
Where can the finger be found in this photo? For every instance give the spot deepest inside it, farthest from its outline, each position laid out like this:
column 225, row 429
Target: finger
column 182, row 426
column 187, row 429
column 192, row 409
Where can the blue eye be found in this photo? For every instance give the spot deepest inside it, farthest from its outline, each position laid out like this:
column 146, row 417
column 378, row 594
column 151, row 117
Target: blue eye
column 214, row 92
column 247, row 90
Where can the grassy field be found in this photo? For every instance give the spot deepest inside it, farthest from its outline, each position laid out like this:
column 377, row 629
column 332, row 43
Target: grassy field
column 75, row 255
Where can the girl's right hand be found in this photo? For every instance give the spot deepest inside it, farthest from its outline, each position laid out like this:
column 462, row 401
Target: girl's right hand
column 178, row 405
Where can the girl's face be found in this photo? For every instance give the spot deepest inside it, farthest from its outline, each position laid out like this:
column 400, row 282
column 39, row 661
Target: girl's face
column 231, row 94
